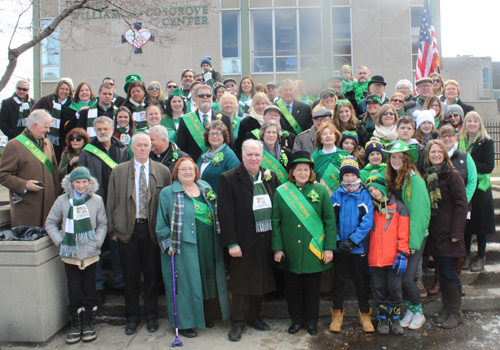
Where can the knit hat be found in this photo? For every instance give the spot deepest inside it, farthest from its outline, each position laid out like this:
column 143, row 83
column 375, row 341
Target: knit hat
column 378, row 180
column 425, row 116
column 373, row 146
column 349, row 166
column 349, row 135
column 206, row 59
column 130, row 78
column 455, row 109
column 79, row 173
column 176, row 92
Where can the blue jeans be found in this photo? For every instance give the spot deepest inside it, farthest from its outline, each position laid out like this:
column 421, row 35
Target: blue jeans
column 448, row 268
column 115, row 264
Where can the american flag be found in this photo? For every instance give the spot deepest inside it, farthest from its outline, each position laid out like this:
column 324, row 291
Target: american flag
column 428, row 53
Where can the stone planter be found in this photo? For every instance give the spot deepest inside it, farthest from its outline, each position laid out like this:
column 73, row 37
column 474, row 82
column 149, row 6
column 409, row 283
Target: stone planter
column 33, row 291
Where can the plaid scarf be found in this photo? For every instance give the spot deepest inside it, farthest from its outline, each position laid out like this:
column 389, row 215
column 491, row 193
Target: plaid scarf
column 433, row 186
column 78, row 227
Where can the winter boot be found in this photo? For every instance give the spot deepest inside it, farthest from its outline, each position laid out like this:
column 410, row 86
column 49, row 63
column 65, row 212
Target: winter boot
column 467, row 262
column 436, row 287
column 459, row 272
column 337, row 317
column 383, row 321
column 88, row 333
column 445, row 295
column 366, row 321
column 394, row 314
column 75, row 332
column 455, row 292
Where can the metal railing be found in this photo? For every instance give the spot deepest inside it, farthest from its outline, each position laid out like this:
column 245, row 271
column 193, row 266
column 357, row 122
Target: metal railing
column 493, row 128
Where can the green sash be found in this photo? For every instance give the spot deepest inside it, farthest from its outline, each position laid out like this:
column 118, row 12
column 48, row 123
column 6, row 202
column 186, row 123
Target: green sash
column 103, row 156
column 196, row 129
column 271, row 163
column 332, row 177
column 37, row 152
column 202, row 213
column 255, row 132
column 289, row 117
column 306, row 214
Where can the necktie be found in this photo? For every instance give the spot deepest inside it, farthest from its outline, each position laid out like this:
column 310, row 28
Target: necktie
column 143, row 193
column 289, row 108
column 205, row 120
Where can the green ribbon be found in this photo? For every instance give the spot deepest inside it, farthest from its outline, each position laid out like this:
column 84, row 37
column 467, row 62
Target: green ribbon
column 271, row 163
column 255, row 132
column 37, row 152
column 100, row 154
column 196, row 129
column 295, row 125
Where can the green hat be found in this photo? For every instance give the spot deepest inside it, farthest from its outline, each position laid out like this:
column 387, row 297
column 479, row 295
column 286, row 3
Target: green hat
column 400, row 146
column 176, row 92
column 335, row 76
column 378, row 180
column 130, row 78
column 301, row 157
column 327, row 91
column 79, row 173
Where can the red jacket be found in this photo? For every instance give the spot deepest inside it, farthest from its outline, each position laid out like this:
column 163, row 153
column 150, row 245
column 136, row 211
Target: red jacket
column 389, row 237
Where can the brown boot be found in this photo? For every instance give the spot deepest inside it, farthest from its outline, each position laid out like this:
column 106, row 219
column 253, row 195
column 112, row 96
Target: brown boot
column 366, row 321
column 420, row 285
column 436, row 287
column 337, row 317
column 459, row 273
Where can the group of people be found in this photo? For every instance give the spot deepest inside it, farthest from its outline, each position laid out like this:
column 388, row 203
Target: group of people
column 266, row 182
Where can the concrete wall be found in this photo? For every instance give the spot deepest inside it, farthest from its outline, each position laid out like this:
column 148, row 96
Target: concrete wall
column 468, row 72
column 487, row 110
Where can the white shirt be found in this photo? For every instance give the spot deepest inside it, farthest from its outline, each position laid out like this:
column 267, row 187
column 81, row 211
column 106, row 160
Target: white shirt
column 329, row 151
column 203, row 167
column 137, row 167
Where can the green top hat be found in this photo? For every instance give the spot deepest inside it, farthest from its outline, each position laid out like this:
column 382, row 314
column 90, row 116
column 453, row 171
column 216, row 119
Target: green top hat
column 400, row 146
column 301, row 157
column 130, row 78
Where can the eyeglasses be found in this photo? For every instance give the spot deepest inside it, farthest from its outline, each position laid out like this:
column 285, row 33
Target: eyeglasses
column 172, row 86
column 75, row 138
column 200, row 79
column 425, row 86
column 154, row 88
column 328, row 96
column 397, row 101
column 436, row 80
column 455, row 115
column 22, row 89
column 215, row 133
column 231, row 84
column 204, row 95
column 388, row 113
column 446, row 136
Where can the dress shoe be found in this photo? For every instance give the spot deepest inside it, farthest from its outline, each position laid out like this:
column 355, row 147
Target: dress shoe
column 294, row 328
column 188, row 332
column 101, row 299
column 260, row 325
column 152, row 326
column 312, row 330
column 131, row 328
column 209, row 323
column 235, row 334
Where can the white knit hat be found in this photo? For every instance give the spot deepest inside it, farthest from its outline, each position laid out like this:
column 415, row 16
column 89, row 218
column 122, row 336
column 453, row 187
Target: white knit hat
column 425, row 116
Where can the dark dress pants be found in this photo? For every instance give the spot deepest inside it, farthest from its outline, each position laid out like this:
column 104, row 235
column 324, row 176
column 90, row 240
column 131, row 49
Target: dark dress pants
column 138, row 255
column 81, row 287
column 302, row 297
column 245, row 309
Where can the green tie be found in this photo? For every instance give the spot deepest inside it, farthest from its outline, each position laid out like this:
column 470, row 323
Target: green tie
column 205, row 120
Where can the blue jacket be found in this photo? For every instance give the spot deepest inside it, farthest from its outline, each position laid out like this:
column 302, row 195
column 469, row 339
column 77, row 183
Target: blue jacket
column 354, row 215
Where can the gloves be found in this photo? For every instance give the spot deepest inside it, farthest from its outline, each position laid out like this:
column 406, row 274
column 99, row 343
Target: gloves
column 345, row 247
column 400, row 264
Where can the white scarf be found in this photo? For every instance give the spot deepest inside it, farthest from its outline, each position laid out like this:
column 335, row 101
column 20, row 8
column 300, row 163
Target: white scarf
column 256, row 116
column 387, row 133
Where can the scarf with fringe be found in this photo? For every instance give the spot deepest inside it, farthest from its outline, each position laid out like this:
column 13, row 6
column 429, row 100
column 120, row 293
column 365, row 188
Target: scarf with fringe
column 78, row 227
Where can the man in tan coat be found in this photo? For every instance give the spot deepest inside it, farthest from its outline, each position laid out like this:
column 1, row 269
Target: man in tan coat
column 28, row 168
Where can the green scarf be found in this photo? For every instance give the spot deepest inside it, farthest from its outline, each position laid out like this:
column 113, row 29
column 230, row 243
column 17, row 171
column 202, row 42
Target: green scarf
column 24, row 111
column 262, row 206
column 53, row 135
column 139, row 115
column 433, row 186
column 359, row 89
column 78, row 227
column 77, row 105
column 38, row 143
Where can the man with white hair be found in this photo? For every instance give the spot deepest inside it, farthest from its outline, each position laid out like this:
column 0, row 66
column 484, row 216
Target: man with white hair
column 163, row 151
column 101, row 156
column 132, row 204
column 15, row 110
column 297, row 115
column 245, row 207
column 28, row 168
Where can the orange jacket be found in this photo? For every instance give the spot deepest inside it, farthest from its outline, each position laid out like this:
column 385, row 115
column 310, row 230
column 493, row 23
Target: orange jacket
column 389, row 237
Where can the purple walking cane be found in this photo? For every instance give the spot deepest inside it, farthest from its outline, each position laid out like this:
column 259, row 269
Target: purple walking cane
column 177, row 341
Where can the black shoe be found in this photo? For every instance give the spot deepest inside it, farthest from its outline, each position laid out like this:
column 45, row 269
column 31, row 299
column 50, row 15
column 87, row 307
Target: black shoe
column 209, row 323
column 188, row 332
column 431, row 265
column 75, row 332
column 294, row 328
column 235, row 334
column 100, row 297
column 131, row 328
column 312, row 330
column 260, row 325
column 151, row 326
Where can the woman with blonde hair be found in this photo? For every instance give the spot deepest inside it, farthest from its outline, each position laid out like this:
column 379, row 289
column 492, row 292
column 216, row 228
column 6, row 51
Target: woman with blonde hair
column 385, row 124
column 156, row 93
column 398, row 101
column 345, row 119
column 437, row 84
column 328, row 99
column 434, row 103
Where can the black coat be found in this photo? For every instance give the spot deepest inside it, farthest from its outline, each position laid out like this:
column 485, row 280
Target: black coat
column 450, row 220
column 252, row 274
column 167, row 159
column 465, row 107
column 482, row 220
column 186, row 142
column 9, row 116
column 303, row 115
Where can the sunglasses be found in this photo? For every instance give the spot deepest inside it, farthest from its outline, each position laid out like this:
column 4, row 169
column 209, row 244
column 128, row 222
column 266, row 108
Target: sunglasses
column 154, row 88
column 172, row 86
column 22, row 89
column 328, row 95
column 200, row 79
column 388, row 113
column 231, row 84
column 204, row 95
column 397, row 101
column 75, row 138
column 436, row 80
column 455, row 115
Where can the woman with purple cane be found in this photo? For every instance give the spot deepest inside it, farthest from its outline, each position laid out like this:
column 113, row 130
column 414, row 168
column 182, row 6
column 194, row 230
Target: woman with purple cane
column 192, row 256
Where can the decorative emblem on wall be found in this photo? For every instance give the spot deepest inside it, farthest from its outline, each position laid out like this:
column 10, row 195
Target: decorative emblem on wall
column 137, row 37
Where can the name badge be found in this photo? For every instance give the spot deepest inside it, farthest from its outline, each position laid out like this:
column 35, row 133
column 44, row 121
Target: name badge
column 140, row 116
column 55, row 123
column 57, row 106
column 262, row 201
column 81, row 212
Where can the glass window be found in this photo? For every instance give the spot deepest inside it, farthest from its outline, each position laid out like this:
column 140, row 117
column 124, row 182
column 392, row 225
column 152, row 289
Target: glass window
column 230, row 33
column 341, row 25
column 310, row 31
column 50, row 55
column 339, row 61
column 486, row 78
column 262, row 33
column 286, row 32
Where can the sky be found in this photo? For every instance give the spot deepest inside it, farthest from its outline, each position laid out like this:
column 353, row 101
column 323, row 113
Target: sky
column 467, row 28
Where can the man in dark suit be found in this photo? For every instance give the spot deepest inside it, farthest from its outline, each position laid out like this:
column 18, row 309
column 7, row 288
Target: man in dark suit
column 192, row 125
column 299, row 112
column 249, row 241
column 15, row 110
column 132, row 205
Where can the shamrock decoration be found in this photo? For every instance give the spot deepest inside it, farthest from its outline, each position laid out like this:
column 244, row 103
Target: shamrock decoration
column 175, row 155
column 286, row 134
column 377, row 99
column 283, row 158
column 314, row 196
column 341, row 157
column 211, row 195
column 267, row 175
column 342, row 102
column 218, row 116
column 234, row 123
column 218, row 158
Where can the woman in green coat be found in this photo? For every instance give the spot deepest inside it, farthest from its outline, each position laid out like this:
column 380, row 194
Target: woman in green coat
column 303, row 244
column 187, row 227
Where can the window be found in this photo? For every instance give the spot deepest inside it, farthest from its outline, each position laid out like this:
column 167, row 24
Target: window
column 341, row 35
column 415, row 21
column 486, row 78
column 50, row 55
column 231, row 53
